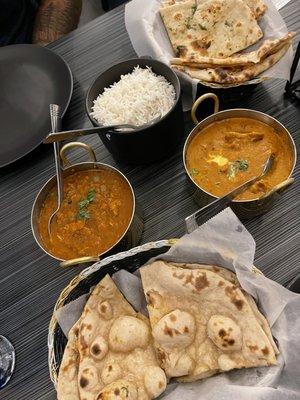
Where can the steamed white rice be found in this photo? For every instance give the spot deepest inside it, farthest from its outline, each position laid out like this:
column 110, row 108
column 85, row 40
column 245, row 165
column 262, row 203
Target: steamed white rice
column 136, row 99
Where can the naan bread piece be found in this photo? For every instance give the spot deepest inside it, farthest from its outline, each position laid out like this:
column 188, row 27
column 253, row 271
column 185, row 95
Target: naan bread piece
column 67, row 387
column 258, row 7
column 232, row 278
column 177, row 18
column 268, row 47
column 223, row 272
column 216, row 28
column 224, row 28
column 166, row 3
column 117, row 357
column 202, row 323
column 262, row 321
column 231, row 75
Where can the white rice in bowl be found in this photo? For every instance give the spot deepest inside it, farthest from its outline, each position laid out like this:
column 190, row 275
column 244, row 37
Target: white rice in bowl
column 137, row 98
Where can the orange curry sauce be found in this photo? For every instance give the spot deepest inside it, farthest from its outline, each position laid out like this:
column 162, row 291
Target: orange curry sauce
column 95, row 213
column 227, row 153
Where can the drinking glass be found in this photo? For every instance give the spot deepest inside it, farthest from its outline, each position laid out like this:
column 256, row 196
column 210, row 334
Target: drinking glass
column 7, row 360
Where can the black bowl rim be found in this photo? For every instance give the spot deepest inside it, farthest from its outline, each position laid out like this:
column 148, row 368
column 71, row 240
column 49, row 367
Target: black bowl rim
column 137, row 60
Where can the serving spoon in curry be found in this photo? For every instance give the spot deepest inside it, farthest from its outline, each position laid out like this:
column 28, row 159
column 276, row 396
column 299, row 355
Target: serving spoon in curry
column 205, row 213
column 55, row 117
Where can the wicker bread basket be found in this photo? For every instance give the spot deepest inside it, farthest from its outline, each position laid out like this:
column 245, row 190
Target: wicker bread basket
column 130, row 260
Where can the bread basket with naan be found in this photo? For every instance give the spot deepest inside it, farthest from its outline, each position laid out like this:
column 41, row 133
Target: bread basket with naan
column 201, row 323
column 211, row 39
column 220, row 44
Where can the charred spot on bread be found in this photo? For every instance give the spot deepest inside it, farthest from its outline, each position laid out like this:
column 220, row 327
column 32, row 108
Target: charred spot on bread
column 83, row 382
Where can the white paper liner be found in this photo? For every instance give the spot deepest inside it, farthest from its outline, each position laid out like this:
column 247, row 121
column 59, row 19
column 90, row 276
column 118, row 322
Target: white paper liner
column 149, row 37
column 225, row 242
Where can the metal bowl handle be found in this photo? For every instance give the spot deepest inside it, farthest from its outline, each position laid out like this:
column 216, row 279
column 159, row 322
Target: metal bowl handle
column 280, row 188
column 76, row 261
column 200, row 100
column 72, row 145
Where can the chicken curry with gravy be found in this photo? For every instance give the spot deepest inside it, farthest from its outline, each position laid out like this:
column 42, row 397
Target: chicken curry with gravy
column 227, row 153
column 96, row 210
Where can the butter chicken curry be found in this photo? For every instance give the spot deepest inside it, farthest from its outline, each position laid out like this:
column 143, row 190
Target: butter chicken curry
column 95, row 213
column 227, row 153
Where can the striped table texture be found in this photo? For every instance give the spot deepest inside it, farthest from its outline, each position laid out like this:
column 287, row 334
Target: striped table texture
column 30, row 281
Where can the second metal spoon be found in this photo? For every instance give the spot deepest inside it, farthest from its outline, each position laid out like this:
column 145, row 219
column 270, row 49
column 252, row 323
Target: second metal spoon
column 55, row 125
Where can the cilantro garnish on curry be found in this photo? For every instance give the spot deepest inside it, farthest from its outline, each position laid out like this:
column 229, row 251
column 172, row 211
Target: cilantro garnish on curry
column 95, row 213
column 83, row 212
column 229, row 152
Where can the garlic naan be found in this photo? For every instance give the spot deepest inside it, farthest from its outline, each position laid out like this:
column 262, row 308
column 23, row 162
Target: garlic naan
column 258, row 7
column 214, row 28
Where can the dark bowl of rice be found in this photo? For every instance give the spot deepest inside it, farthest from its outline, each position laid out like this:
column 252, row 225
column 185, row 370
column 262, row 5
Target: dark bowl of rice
column 135, row 92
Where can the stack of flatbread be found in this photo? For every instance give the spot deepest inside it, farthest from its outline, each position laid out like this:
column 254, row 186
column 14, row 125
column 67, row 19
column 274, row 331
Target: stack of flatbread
column 201, row 323
column 208, row 36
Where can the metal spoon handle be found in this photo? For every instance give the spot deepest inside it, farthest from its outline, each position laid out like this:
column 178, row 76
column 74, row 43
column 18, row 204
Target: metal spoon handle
column 55, row 116
column 59, row 136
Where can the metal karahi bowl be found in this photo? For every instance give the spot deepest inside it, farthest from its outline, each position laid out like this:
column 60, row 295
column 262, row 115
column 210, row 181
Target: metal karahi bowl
column 243, row 208
column 131, row 235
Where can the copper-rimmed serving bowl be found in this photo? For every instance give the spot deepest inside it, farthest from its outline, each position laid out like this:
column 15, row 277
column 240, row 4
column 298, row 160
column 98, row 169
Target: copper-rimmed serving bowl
column 243, row 208
column 132, row 233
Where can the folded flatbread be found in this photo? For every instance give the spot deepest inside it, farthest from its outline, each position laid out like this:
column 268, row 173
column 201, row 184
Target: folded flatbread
column 214, row 28
column 202, row 322
column 258, row 7
column 233, row 75
column 67, row 387
column 117, row 359
column 268, row 47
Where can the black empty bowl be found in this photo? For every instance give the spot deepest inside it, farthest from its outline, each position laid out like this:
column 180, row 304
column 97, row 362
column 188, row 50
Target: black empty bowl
column 143, row 145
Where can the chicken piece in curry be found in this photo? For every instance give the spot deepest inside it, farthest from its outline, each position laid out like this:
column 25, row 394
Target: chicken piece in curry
column 227, row 153
column 95, row 213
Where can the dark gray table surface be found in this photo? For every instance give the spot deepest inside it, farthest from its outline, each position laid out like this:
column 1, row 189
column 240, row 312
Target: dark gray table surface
column 30, row 281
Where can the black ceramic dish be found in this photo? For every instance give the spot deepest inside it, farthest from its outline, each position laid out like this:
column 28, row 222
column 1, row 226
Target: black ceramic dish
column 142, row 146
column 31, row 78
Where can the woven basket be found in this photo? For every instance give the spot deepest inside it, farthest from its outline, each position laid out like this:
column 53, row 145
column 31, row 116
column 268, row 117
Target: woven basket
column 130, row 260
